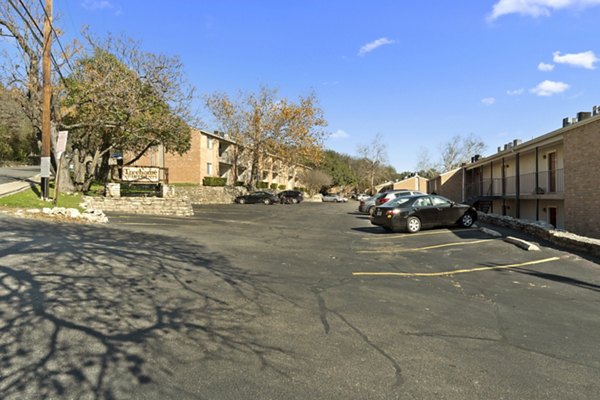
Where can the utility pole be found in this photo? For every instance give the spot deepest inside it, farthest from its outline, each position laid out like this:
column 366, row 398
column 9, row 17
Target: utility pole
column 46, row 123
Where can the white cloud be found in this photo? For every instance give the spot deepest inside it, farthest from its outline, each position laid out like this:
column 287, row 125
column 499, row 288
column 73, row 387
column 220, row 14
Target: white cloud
column 545, row 67
column 549, row 88
column 586, row 60
column 369, row 47
column 97, row 4
column 537, row 8
column 515, row 92
column 488, row 101
column 339, row 134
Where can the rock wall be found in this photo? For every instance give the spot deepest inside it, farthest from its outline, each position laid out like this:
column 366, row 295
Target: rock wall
column 545, row 231
column 140, row 205
column 209, row 194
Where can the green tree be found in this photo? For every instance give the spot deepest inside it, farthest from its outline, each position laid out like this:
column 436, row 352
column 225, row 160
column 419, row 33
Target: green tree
column 119, row 97
column 17, row 136
column 339, row 167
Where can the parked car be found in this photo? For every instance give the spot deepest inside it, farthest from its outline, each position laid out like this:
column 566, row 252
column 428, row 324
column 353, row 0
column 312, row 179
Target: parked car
column 362, row 197
column 334, row 197
column 258, row 197
column 290, row 196
column 368, row 206
column 392, row 194
column 411, row 213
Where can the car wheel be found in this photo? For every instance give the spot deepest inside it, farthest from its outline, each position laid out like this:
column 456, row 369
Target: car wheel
column 241, row 201
column 294, row 201
column 267, row 201
column 467, row 220
column 413, row 224
column 371, row 210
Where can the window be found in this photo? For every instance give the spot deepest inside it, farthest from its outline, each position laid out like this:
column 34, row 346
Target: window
column 209, row 143
column 440, row 201
column 423, row 202
column 209, row 169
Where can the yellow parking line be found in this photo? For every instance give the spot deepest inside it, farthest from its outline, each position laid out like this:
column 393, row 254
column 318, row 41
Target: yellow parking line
column 437, row 246
column 392, row 236
column 456, row 271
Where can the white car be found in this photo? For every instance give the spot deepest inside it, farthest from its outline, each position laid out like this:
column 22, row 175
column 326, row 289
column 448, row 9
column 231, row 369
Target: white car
column 333, row 197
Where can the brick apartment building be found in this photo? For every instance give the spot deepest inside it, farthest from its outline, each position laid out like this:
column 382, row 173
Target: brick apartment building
column 554, row 177
column 212, row 155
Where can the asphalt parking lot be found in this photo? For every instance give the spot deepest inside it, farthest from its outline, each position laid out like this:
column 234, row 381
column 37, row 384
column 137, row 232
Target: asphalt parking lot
column 296, row 302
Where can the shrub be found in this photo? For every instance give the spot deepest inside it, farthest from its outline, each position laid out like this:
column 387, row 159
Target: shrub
column 239, row 183
column 281, row 187
column 273, row 186
column 214, row 181
column 262, row 185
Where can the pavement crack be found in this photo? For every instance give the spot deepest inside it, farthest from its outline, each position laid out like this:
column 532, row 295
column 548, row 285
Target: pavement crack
column 322, row 308
column 398, row 370
column 450, row 336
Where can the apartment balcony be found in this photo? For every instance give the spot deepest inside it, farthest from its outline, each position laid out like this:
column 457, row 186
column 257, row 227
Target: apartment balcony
column 549, row 184
column 226, row 158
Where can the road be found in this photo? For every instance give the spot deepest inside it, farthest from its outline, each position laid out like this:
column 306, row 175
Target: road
column 8, row 175
column 285, row 302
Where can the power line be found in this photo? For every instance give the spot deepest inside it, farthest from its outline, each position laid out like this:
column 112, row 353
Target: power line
column 55, row 35
column 36, row 37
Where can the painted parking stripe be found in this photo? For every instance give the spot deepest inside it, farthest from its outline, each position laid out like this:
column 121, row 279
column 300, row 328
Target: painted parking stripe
column 392, row 236
column 456, row 271
column 437, row 246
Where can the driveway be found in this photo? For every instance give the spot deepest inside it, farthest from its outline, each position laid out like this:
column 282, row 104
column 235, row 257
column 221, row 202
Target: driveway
column 305, row 301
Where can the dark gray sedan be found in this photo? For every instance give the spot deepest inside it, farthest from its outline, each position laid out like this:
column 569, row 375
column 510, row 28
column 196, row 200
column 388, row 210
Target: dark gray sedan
column 258, row 197
column 425, row 211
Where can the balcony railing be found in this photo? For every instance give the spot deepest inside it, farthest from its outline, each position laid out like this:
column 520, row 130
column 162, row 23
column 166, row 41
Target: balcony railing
column 547, row 182
column 226, row 157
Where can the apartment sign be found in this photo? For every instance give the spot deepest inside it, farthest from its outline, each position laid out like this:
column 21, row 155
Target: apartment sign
column 141, row 174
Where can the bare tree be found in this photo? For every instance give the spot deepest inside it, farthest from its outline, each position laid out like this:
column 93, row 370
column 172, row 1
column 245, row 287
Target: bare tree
column 451, row 154
column 374, row 155
column 316, row 180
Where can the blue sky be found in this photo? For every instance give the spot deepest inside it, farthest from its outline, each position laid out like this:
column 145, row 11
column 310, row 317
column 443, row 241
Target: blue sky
column 415, row 72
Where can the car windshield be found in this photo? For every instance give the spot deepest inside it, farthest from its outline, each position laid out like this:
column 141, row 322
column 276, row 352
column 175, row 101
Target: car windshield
column 398, row 201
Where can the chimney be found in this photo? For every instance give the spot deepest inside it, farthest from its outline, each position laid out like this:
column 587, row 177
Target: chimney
column 582, row 115
column 499, row 149
column 517, row 142
column 596, row 110
column 566, row 122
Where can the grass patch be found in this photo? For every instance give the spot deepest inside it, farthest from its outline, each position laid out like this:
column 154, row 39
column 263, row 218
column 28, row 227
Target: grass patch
column 183, row 184
column 30, row 199
column 96, row 189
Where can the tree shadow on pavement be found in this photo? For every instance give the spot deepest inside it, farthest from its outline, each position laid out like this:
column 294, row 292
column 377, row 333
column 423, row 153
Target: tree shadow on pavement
column 94, row 312
column 558, row 278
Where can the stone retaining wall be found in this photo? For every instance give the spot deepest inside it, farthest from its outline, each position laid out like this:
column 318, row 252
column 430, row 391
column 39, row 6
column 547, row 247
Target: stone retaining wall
column 545, row 231
column 141, row 205
column 209, row 194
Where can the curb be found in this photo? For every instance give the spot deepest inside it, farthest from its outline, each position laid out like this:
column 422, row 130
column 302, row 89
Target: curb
column 525, row 245
column 490, row 232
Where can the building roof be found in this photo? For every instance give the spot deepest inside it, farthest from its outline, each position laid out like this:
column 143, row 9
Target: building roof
column 551, row 137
